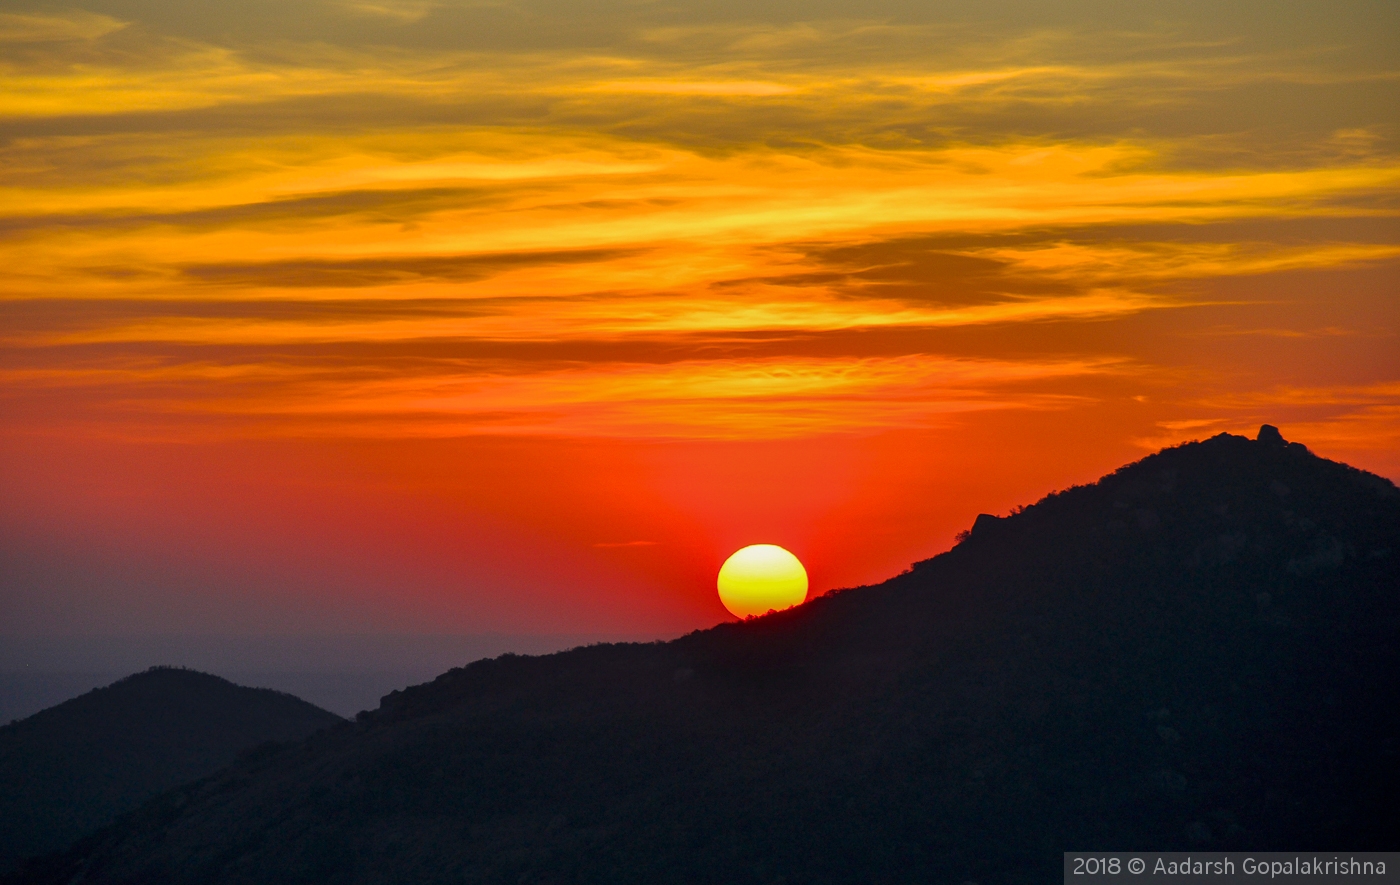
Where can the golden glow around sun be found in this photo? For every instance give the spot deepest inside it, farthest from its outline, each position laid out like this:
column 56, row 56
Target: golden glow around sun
column 761, row 578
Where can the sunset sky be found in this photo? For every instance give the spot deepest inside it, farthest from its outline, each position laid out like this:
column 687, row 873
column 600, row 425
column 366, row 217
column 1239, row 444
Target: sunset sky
column 355, row 316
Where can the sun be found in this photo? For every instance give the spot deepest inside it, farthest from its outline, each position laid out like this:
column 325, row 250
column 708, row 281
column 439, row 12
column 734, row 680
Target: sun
column 761, row 578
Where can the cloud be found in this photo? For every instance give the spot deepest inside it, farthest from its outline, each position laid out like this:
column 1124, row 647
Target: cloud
column 356, row 272
column 38, row 28
column 423, row 218
column 706, row 399
column 913, row 269
column 403, row 203
column 397, row 10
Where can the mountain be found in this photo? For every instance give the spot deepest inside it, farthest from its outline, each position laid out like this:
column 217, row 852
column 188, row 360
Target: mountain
column 1199, row 651
column 72, row 768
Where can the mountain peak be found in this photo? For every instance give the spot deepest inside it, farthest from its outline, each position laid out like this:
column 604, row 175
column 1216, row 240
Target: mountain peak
column 1213, row 481
column 75, row 766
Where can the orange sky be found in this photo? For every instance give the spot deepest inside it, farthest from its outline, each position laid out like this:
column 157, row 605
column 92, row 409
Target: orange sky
column 421, row 316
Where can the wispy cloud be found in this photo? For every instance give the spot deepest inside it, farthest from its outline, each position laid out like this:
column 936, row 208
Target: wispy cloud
column 51, row 28
column 198, row 226
column 397, row 10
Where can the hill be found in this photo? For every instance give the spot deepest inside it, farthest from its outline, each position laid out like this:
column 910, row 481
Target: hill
column 74, row 767
column 1198, row 651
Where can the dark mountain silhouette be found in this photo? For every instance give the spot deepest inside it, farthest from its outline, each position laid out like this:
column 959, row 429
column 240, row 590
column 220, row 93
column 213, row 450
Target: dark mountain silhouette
column 72, row 768
column 1198, row 651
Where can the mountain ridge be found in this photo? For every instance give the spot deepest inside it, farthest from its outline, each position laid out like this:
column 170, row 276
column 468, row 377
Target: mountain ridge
column 75, row 766
column 1138, row 663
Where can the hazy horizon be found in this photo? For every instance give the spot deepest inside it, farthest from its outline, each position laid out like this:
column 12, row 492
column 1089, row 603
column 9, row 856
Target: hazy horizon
column 343, row 674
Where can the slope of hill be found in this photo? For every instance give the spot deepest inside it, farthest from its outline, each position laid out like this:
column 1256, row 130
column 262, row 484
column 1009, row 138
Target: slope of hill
column 74, row 767
column 1201, row 650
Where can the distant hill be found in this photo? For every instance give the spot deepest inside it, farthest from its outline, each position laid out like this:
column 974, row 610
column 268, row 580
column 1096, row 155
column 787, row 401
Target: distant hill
column 1199, row 651
column 74, row 767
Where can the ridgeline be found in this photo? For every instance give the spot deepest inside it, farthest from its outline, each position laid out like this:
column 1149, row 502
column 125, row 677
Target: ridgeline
column 1199, row 651
column 71, row 768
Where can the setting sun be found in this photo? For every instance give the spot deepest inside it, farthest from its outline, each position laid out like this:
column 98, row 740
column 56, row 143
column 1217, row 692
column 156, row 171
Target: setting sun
column 761, row 578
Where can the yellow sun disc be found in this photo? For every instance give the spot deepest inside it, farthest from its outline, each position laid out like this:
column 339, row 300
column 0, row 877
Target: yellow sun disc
column 761, row 578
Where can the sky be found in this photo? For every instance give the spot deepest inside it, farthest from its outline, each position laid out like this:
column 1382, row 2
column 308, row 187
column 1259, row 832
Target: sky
column 352, row 317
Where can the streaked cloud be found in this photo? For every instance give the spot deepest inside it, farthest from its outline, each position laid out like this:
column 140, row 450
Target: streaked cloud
column 681, row 227
column 51, row 28
column 398, row 10
column 727, row 398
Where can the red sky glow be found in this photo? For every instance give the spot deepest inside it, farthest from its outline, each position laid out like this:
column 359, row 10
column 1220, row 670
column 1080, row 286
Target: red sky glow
column 440, row 317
